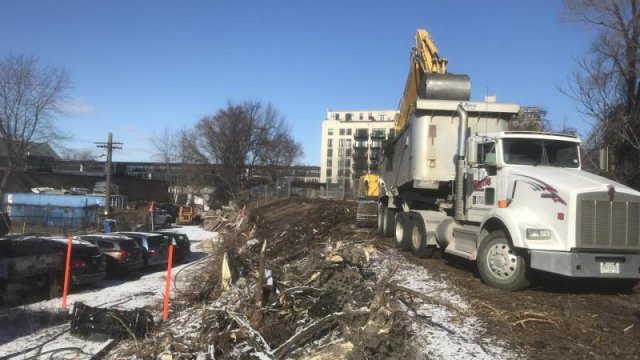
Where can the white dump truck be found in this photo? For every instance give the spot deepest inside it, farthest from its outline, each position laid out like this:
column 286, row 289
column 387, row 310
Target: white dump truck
column 455, row 178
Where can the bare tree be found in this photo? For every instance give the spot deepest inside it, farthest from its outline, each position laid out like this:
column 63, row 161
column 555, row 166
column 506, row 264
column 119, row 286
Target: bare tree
column 77, row 154
column 531, row 118
column 606, row 84
column 167, row 146
column 241, row 138
column 30, row 98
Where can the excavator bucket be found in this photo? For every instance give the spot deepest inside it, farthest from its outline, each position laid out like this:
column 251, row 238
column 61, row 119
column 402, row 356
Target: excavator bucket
column 445, row 87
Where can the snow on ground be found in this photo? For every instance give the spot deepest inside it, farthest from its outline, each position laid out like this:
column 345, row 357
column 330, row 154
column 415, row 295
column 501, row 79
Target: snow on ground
column 440, row 333
column 145, row 291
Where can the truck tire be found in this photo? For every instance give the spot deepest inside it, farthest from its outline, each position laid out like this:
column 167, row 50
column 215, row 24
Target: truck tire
column 418, row 238
column 500, row 265
column 388, row 223
column 402, row 233
column 381, row 218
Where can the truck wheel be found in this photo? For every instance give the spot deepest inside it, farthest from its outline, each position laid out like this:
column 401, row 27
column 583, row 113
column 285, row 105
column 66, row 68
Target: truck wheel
column 418, row 238
column 388, row 224
column 402, row 233
column 381, row 218
column 500, row 265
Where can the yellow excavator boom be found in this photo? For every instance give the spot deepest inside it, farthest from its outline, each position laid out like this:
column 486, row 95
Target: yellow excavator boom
column 425, row 61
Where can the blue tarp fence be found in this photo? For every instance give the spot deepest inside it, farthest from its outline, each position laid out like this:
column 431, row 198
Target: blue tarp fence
column 69, row 211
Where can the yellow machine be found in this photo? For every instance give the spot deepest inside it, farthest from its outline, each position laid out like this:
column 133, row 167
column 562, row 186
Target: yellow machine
column 428, row 79
column 185, row 215
column 368, row 185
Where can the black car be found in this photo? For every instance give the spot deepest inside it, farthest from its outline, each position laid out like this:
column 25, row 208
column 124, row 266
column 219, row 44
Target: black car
column 181, row 244
column 155, row 247
column 87, row 264
column 123, row 254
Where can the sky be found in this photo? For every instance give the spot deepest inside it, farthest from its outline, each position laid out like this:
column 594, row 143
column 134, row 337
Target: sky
column 139, row 67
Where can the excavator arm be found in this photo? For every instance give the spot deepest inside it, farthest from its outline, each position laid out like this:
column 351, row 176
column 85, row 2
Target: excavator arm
column 428, row 78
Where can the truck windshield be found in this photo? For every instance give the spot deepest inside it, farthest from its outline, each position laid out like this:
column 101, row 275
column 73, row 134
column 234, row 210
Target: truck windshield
column 541, row 152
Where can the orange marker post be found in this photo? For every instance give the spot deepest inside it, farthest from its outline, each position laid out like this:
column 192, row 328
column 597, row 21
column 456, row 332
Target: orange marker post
column 67, row 270
column 167, row 289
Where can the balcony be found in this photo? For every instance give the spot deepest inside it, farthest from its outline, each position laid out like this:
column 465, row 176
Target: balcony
column 360, row 154
column 360, row 145
column 361, row 134
column 377, row 135
column 360, row 165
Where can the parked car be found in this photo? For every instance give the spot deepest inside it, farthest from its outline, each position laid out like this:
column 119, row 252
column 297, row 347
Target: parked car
column 122, row 253
column 87, row 263
column 155, row 246
column 181, row 244
column 26, row 265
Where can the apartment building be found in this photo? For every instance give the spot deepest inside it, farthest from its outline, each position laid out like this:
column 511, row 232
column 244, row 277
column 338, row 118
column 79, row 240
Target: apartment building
column 351, row 143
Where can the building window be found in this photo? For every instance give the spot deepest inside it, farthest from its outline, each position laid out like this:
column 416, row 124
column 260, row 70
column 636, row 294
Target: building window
column 348, row 143
column 382, row 116
column 348, row 116
column 341, row 143
column 336, row 116
column 341, row 152
column 329, row 163
column 347, row 163
column 328, row 172
column 329, row 152
column 348, row 131
column 348, row 152
column 341, row 131
column 330, row 143
column 331, row 131
column 371, row 118
column 361, row 116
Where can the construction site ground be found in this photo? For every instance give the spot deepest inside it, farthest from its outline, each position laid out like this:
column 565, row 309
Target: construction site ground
column 297, row 278
column 556, row 318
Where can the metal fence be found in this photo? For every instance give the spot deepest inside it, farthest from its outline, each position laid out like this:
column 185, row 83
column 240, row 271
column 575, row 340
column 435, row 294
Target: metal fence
column 269, row 192
column 263, row 194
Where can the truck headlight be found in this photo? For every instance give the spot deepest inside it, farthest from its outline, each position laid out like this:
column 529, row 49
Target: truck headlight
column 538, row 234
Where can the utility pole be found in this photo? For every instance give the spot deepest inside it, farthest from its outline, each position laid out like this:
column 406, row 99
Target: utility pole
column 110, row 146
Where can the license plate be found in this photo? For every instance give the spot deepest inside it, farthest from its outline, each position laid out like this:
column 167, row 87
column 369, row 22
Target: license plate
column 609, row 268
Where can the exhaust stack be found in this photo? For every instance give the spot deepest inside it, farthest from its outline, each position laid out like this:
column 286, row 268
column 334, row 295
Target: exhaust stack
column 459, row 179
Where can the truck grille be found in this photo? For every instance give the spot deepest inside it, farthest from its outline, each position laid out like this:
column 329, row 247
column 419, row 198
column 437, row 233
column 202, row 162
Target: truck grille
column 605, row 224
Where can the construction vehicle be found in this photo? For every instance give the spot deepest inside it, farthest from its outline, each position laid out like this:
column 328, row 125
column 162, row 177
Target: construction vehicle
column 185, row 215
column 368, row 191
column 454, row 179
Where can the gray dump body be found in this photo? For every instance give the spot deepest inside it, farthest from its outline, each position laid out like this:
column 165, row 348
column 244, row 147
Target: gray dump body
column 423, row 154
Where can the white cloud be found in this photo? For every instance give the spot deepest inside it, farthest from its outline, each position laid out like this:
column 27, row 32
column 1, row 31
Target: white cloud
column 77, row 106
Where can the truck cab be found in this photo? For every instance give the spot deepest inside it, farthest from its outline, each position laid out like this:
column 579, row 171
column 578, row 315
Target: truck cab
column 527, row 191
